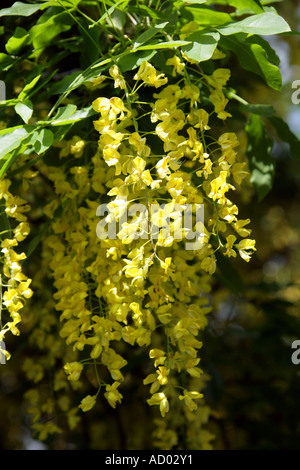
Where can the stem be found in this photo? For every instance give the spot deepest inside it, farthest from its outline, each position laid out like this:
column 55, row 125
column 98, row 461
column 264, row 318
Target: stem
column 232, row 95
column 149, row 223
column 98, row 378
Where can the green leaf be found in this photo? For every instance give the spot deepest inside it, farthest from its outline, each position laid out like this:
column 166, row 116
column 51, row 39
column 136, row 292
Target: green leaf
column 11, row 158
column 146, row 11
column 286, row 135
column 74, row 117
column 11, row 140
column 48, row 27
column 69, row 114
column 65, row 3
column 293, row 32
column 268, row 2
column 202, row 45
column 133, row 60
column 60, row 132
column 205, row 16
column 148, row 34
column 24, row 110
column 261, row 109
column 19, row 39
column 270, row 52
column 195, row 1
column 261, row 163
column 163, row 45
column 42, row 140
column 63, row 113
column 264, row 24
column 6, row 62
column 90, row 46
column 270, row 72
column 69, row 83
column 254, row 57
column 27, row 88
column 21, row 9
column 241, row 6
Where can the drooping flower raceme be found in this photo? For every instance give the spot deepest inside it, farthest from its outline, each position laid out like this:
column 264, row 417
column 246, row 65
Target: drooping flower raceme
column 140, row 292
column 14, row 284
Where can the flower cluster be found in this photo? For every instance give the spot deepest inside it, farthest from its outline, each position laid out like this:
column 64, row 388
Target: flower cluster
column 165, row 286
column 14, row 284
column 140, row 295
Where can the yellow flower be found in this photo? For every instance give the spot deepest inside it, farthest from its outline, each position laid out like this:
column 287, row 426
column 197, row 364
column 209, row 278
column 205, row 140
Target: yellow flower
column 189, row 398
column 229, row 250
column 239, row 227
column 88, row 402
column 161, row 400
column 219, row 101
column 228, row 140
column 178, row 66
column 147, row 178
column 101, row 105
column 112, row 394
column 138, row 315
column 77, row 146
column 238, row 172
column 21, row 231
column 152, row 379
column 202, row 119
column 118, row 78
column 113, row 107
column 218, row 54
column 158, row 355
column 139, row 143
column 162, row 376
column 229, row 213
column 73, row 418
column 163, row 313
column 148, row 74
column 8, row 243
column 166, row 264
column 192, row 93
column 188, row 28
column 219, row 78
column 244, row 246
column 111, row 155
column 209, row 265
column 219, row 187
column 73, row 369
column 98, row 80
column 114, row 362
column 118, row 108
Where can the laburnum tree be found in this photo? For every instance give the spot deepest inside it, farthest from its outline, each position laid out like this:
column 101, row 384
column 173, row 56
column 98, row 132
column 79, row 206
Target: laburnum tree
column 118, row 104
